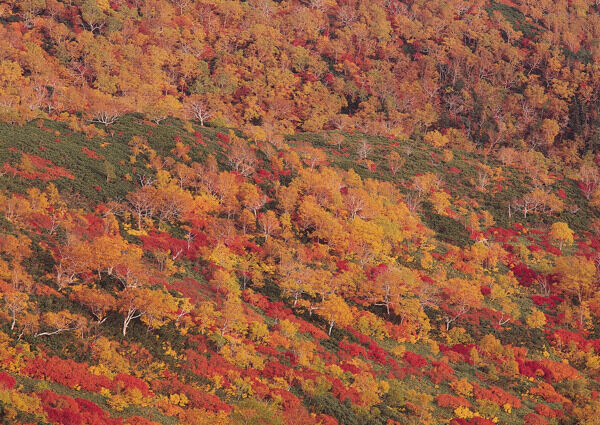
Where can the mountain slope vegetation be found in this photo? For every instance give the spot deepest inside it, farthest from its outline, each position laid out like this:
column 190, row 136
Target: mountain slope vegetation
column 207, row 278
column 299, row 212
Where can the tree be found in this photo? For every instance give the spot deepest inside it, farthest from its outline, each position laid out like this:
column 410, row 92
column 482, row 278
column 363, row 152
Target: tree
column 15, row 302
column 131, row 303
column 197, row 108
column 73, row 259
column 103, row 108
column 391, row 284
column 251, row 197
column 99, row 302
column 335, row 310
column 141, row 203
column 109, row 170
column 560, row 231
column 160, row 108
column 458, row 297
column 62, row 321
column 590, row 179
column 436, row 139
column 577, row 276
column 363, row 150
column 337, row 139
column 269, row 224
column 241, row 157
column 395, row 162
column 92, row 15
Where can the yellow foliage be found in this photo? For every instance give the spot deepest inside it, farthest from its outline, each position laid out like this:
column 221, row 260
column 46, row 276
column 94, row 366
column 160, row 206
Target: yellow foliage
column 436, row 139
column 463, row 412
column 427, row 261
column 371, row 325
column 259, row 332
column 110, row 361
column 368, row 388
column 536, row 319
column 462, row 387
column 561, row 232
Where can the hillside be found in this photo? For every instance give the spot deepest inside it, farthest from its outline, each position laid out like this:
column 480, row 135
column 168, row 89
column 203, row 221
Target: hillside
column 521, row 73
column 304, row 212
column 175, row 273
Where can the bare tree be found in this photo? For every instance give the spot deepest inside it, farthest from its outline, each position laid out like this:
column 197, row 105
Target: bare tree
column 198, row 109
column 363, row 150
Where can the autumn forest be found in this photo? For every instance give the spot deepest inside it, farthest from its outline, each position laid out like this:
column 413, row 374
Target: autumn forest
column 301, row 212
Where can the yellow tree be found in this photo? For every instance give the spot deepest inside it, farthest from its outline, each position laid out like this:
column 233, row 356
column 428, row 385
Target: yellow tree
column 577, row 277
column 562, row 233
column 459, row 297
column 335, row 310
column 99, row 302
column 390, row 284
column 395, row 162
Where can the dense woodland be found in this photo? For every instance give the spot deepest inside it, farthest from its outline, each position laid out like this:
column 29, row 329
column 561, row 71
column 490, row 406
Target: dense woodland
column 305, row 212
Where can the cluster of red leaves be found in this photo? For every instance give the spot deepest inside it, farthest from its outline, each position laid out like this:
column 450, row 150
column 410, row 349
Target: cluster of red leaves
column 351, row 349
column 165, row 242
column 440, row 372
column 497, row 395
column 65, row 372
column 62, row 409
column 451, row 401
column 72, row 374
column 91, row 154
column 7, row 382
column 525, row 275
column 45, row 170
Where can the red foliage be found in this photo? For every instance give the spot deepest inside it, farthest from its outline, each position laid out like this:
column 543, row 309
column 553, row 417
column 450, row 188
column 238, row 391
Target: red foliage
column 440, row 372
column 354, row 350
column 275, row 369
column 255, row 299
column 65, row 372
column 315, row 332
column 547, row 411
column 495, row 394
column 414, row 359
column 288, row 399
column 91, row 154
column 463, row 350
column 524, row 274
column 534, row 369
column 348, row 367
column 475, row 421
column 166, row 242
column 565, row 337
column 451, row 401
column 552, row 301
column 7, row 382
column 535, row 419
column 127, row 382
column 377, row 354
column 46, row 170
column 224, row 137
column 64, row 410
